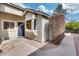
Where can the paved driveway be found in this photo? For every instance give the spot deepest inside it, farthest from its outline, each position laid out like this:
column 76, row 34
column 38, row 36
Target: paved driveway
column 66, row 48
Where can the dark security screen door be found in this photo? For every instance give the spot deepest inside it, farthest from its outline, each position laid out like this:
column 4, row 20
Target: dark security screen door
column 21, row 29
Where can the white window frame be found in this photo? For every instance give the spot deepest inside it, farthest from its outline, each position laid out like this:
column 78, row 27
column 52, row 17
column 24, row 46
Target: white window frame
column 7, row 21
column 32, row 24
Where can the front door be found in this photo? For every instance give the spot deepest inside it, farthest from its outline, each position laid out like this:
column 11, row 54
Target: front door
column 21, row 29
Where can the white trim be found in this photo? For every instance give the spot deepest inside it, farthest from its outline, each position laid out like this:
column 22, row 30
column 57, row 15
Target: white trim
column 7, row 21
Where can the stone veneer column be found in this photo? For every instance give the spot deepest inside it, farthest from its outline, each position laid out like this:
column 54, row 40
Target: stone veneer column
column 56, row 28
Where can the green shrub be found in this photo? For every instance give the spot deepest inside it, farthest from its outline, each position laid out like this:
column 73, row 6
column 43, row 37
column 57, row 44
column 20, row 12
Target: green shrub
column 72, row 25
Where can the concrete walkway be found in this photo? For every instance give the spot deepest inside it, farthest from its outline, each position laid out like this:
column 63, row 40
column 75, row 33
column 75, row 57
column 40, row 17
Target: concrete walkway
column 66, row 48
column 20, row 47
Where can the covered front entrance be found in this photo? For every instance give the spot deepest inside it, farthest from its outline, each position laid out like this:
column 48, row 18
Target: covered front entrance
column 21, row 29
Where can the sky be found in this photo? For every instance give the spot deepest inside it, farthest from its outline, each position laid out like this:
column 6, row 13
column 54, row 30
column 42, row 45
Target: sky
column 45, row 7
column 72, row 8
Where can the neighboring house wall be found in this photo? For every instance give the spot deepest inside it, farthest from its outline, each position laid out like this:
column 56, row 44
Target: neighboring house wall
column 11, row 18
column 9, row 9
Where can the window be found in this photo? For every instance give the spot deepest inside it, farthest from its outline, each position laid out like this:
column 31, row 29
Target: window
column 35, row 20
column 28, row 24
column 11, row 25
column 8, row 25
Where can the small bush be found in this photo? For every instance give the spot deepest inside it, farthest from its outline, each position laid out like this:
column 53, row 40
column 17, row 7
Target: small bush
column 72, row 26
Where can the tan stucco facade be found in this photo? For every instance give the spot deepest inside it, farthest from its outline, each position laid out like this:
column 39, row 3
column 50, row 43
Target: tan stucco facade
column 10, row 18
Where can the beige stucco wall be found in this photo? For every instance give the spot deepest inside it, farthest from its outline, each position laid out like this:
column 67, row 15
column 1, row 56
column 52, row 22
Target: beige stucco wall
column 42, row 29
column 9, row 9
column 45, row 33
column 29, row 15
column 9, row 17
column 41, row 26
